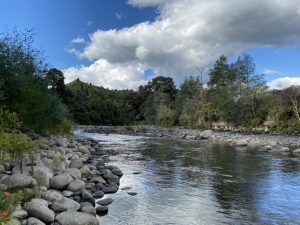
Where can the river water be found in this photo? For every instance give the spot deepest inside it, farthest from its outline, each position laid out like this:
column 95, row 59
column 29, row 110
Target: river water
column 196, row 182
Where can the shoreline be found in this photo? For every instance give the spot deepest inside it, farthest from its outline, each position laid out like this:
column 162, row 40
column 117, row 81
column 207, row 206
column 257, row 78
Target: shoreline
column 261, row 142
column 69, row 185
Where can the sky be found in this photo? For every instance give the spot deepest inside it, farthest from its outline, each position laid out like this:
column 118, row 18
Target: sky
column 121, row 44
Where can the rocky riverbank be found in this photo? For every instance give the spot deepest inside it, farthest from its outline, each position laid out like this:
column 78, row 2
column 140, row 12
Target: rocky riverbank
column 243, row 141
column 67, row 183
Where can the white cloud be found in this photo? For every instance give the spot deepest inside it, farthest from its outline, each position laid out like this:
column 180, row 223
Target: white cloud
column 284, row 82
column 112, row 76
column 145, row 3
column 192, row 33
column 273, row 72
column 78, row 40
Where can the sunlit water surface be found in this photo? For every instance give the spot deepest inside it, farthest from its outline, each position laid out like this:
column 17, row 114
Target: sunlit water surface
column 189, row 183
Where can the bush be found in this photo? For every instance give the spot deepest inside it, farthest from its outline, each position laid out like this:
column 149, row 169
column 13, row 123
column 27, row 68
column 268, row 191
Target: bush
column 16, row 145
column 63, row 128
column 8, row 204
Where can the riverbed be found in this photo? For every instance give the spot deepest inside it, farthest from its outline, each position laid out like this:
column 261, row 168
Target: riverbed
column 180, row 182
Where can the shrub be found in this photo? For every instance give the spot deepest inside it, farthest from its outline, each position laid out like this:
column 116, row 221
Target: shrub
column 8, row 203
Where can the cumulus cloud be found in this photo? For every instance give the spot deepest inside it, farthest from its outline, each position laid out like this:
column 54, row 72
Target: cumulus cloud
column 78, row 40
column 284, row 82
column 112, row 76
column 192, row 33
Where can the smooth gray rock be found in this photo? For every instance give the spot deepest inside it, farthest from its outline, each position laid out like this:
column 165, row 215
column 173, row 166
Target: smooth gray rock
column 76, row 218
column 76, row 185
column 38, row 208
column 52, row 195
column 19, row 181
column 297, row 151
column 101, row 209
column 34, row 221
column 83, row 150
column 66, row 204
column 115, row 171
column 88, row 197
column 88, row 209
column 110, row 188
column 61, row 181
column 110, row 177
column 67, row 193
column 131, row 193
column 98, row 180
column 20, row 214
column 206, row 134
column 99, row 186
column 105, row 201
column 86, row 204
column 74, row 172
column 98, row 194
column 42, row 176
column 76, row 163
column 85, row 171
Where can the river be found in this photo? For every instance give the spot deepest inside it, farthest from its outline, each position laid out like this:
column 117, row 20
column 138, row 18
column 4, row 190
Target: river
column 196, row 182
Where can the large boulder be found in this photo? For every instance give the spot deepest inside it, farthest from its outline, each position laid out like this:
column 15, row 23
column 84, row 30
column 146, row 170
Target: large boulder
column 88, row 209
column 83, row 149
column 43, row 176
column 88, row 197
column 52, row 195
column 76, row 163
column 20, row 213
column 61, row 181
column 19, row 181
column 76, row 218
column 34, row 221
column 110, row 188
column 85, row 171
column 66, row 204
column 115, row 171
column 76, row 185
column 38, row 208
column 74, row 172
column 206, row 134
column 297, row 151
column 110, row 177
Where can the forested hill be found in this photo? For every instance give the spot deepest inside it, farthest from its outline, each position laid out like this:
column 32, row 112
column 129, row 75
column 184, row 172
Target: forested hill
column 95, row 105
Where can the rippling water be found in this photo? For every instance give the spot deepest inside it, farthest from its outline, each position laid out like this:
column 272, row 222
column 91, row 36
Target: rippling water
column 191, row 183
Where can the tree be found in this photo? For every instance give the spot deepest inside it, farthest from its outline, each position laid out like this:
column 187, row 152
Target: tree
column 161, row 91
column 55, row 79
column 190, row 102
column 24, row 89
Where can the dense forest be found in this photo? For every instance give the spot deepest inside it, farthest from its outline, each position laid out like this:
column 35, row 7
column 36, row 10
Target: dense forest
column 233, row 95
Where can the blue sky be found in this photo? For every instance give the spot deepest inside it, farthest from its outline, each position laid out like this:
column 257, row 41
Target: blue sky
column 121, row 44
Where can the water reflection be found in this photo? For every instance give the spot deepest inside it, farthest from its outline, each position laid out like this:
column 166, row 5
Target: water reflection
column 200, row 183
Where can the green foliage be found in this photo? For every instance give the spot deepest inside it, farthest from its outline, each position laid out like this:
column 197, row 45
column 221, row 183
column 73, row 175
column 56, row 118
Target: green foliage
column 8, row 204
column 165, row 116
column 63, row 128
column 17, row 145
column 23, row 87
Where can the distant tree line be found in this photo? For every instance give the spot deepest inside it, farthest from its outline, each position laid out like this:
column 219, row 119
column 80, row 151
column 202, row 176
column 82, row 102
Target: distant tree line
column 233, row 96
